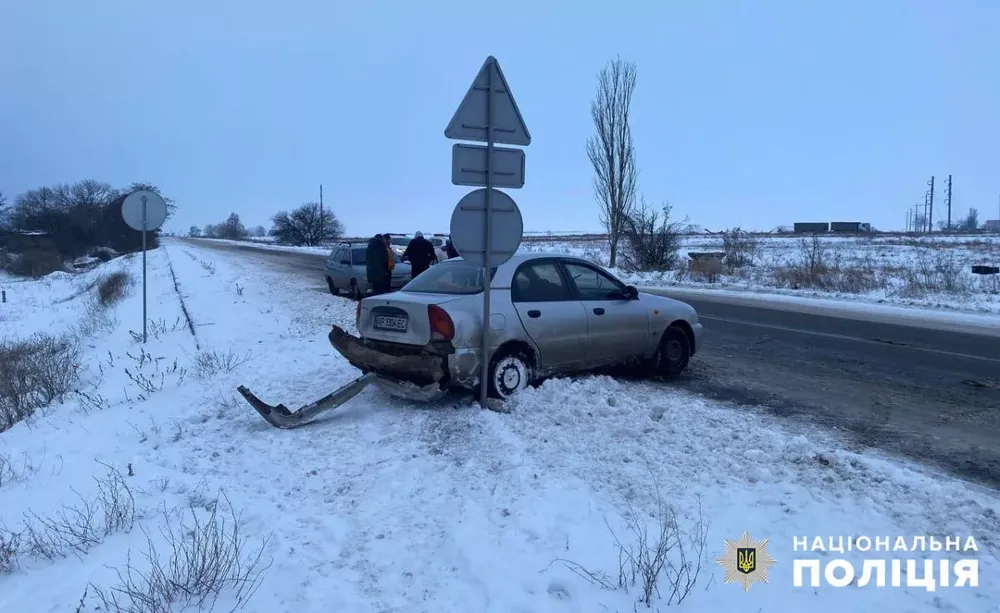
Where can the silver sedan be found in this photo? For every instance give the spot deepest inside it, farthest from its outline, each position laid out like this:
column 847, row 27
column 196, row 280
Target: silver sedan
column 550, row 314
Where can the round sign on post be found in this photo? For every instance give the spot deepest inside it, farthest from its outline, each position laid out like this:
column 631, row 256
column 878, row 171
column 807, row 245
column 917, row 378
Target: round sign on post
column 468, row 227
column 144, row 211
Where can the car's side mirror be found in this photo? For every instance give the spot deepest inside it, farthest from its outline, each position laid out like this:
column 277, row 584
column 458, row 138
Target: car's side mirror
column 631, row 293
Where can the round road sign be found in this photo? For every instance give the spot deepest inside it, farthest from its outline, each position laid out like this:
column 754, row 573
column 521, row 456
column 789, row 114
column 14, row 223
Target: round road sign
column 468, row 231
column 155, row 210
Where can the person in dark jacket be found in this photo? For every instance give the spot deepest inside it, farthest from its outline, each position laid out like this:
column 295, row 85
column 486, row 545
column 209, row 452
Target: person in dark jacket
column 377, row 264
column 420, row 254
column 449, row 250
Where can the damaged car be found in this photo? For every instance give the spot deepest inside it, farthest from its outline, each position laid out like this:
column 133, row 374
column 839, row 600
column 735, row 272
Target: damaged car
column 550, row 315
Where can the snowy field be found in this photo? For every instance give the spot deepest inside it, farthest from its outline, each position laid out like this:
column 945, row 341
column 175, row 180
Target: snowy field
column 928, row 271
column 390, row 506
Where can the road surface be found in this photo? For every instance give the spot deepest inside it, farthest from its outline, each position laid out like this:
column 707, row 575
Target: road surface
column 927, row 390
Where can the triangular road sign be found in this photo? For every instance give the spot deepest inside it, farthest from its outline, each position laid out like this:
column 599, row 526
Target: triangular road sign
column 471, row 118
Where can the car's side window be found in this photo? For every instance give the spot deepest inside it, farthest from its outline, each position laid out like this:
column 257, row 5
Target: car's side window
column 592, row 284
column 337, row 256
column 539, row 282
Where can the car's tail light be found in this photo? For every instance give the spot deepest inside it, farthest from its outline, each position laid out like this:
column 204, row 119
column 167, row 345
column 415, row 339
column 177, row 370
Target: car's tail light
column 442, row 327
column 357, row 316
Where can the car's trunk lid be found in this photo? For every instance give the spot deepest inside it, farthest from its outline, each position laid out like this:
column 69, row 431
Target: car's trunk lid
column 400, row 317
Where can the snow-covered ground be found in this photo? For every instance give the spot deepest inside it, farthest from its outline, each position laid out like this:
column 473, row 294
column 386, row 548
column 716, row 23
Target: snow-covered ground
column 922, row 271
column 391, row 506
column 933, row 272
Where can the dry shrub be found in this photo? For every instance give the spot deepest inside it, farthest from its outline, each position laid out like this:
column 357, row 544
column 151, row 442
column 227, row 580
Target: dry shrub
column 207, row 556
column 74, row 529
column 114, row 288
column 940, row 273
column 651, row 240
column 741, row 248
column 212, row 362
column 816, row 268
column 658, row 557
column 36, row 372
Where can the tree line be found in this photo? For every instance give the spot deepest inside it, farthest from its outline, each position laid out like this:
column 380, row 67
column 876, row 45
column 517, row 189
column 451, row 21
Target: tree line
column 308, row 225
column 69, row 220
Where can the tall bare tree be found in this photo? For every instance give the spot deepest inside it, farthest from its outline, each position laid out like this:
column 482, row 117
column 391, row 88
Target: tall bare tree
column 611, row 151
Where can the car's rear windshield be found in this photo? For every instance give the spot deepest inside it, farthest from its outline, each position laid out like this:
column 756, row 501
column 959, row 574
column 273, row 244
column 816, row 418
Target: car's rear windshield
column 455, row 277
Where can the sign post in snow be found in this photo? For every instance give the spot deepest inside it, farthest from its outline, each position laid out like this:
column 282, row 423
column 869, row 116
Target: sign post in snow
column 144, row 211
column 486, row 225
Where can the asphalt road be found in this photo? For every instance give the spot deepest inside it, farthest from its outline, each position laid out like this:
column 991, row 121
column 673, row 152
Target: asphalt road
column 924, row 389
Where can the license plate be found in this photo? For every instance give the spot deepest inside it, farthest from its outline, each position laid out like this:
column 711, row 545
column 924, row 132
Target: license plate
column 395, row 324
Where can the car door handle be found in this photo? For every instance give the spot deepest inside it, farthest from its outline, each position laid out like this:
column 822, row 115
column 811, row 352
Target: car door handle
column 534, row 314
column 598, row 311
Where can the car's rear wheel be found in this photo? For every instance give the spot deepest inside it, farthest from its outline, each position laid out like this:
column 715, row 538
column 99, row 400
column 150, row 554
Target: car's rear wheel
column 509, row 373
column 673, row 354
column 333, row 288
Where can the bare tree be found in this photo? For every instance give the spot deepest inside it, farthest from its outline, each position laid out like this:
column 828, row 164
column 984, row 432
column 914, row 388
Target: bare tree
column 232, row 228
column 4, row 211
column 260, row 231
column 971, row 221
column 611, row 151
column 307, row 225
column 194, row 232
column 91, row 193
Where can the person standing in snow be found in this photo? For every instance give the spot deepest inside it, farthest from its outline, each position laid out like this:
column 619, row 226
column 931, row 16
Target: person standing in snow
column 390, row 255
column 449, row 249
column 419, row 253
column 377, row 265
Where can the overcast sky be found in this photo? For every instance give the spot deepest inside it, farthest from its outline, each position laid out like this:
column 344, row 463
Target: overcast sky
column 747, row 113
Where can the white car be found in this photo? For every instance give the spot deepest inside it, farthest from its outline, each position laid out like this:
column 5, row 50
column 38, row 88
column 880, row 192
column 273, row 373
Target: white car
column 399, row 244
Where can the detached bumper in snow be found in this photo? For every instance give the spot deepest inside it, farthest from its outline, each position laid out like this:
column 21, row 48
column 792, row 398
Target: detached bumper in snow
column 416, row 373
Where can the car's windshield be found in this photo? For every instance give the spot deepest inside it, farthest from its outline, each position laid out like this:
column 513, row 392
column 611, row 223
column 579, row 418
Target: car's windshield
column 401, row 241
column 455, row 277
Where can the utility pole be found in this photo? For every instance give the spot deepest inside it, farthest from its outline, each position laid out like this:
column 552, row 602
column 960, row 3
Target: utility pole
column 930, row 206
column 909, row 213
column 917, row 223
column 322, row 220
column 949, row 203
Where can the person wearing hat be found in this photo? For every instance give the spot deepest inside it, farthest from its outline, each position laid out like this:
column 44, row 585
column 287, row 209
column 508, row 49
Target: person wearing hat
column 419, row 253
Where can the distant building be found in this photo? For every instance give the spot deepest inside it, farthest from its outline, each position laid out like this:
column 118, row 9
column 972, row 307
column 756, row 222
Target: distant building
column 811, row 227
column 992, row 225
column 850, row 226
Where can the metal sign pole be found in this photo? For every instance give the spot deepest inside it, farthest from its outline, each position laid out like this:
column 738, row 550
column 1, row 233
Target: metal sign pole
column 487, row 280
column 144, row 225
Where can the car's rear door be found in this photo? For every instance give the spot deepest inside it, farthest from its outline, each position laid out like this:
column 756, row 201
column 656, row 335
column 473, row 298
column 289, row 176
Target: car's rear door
column 554, row 319
column 618, row 328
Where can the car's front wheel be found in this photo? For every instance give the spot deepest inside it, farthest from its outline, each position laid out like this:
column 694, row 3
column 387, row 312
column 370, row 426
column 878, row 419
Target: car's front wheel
column 673, row 354
column 509, row 373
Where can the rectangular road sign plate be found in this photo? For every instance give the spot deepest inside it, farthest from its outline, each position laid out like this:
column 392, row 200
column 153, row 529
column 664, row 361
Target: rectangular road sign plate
column 471, row 118
column 468, row 166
